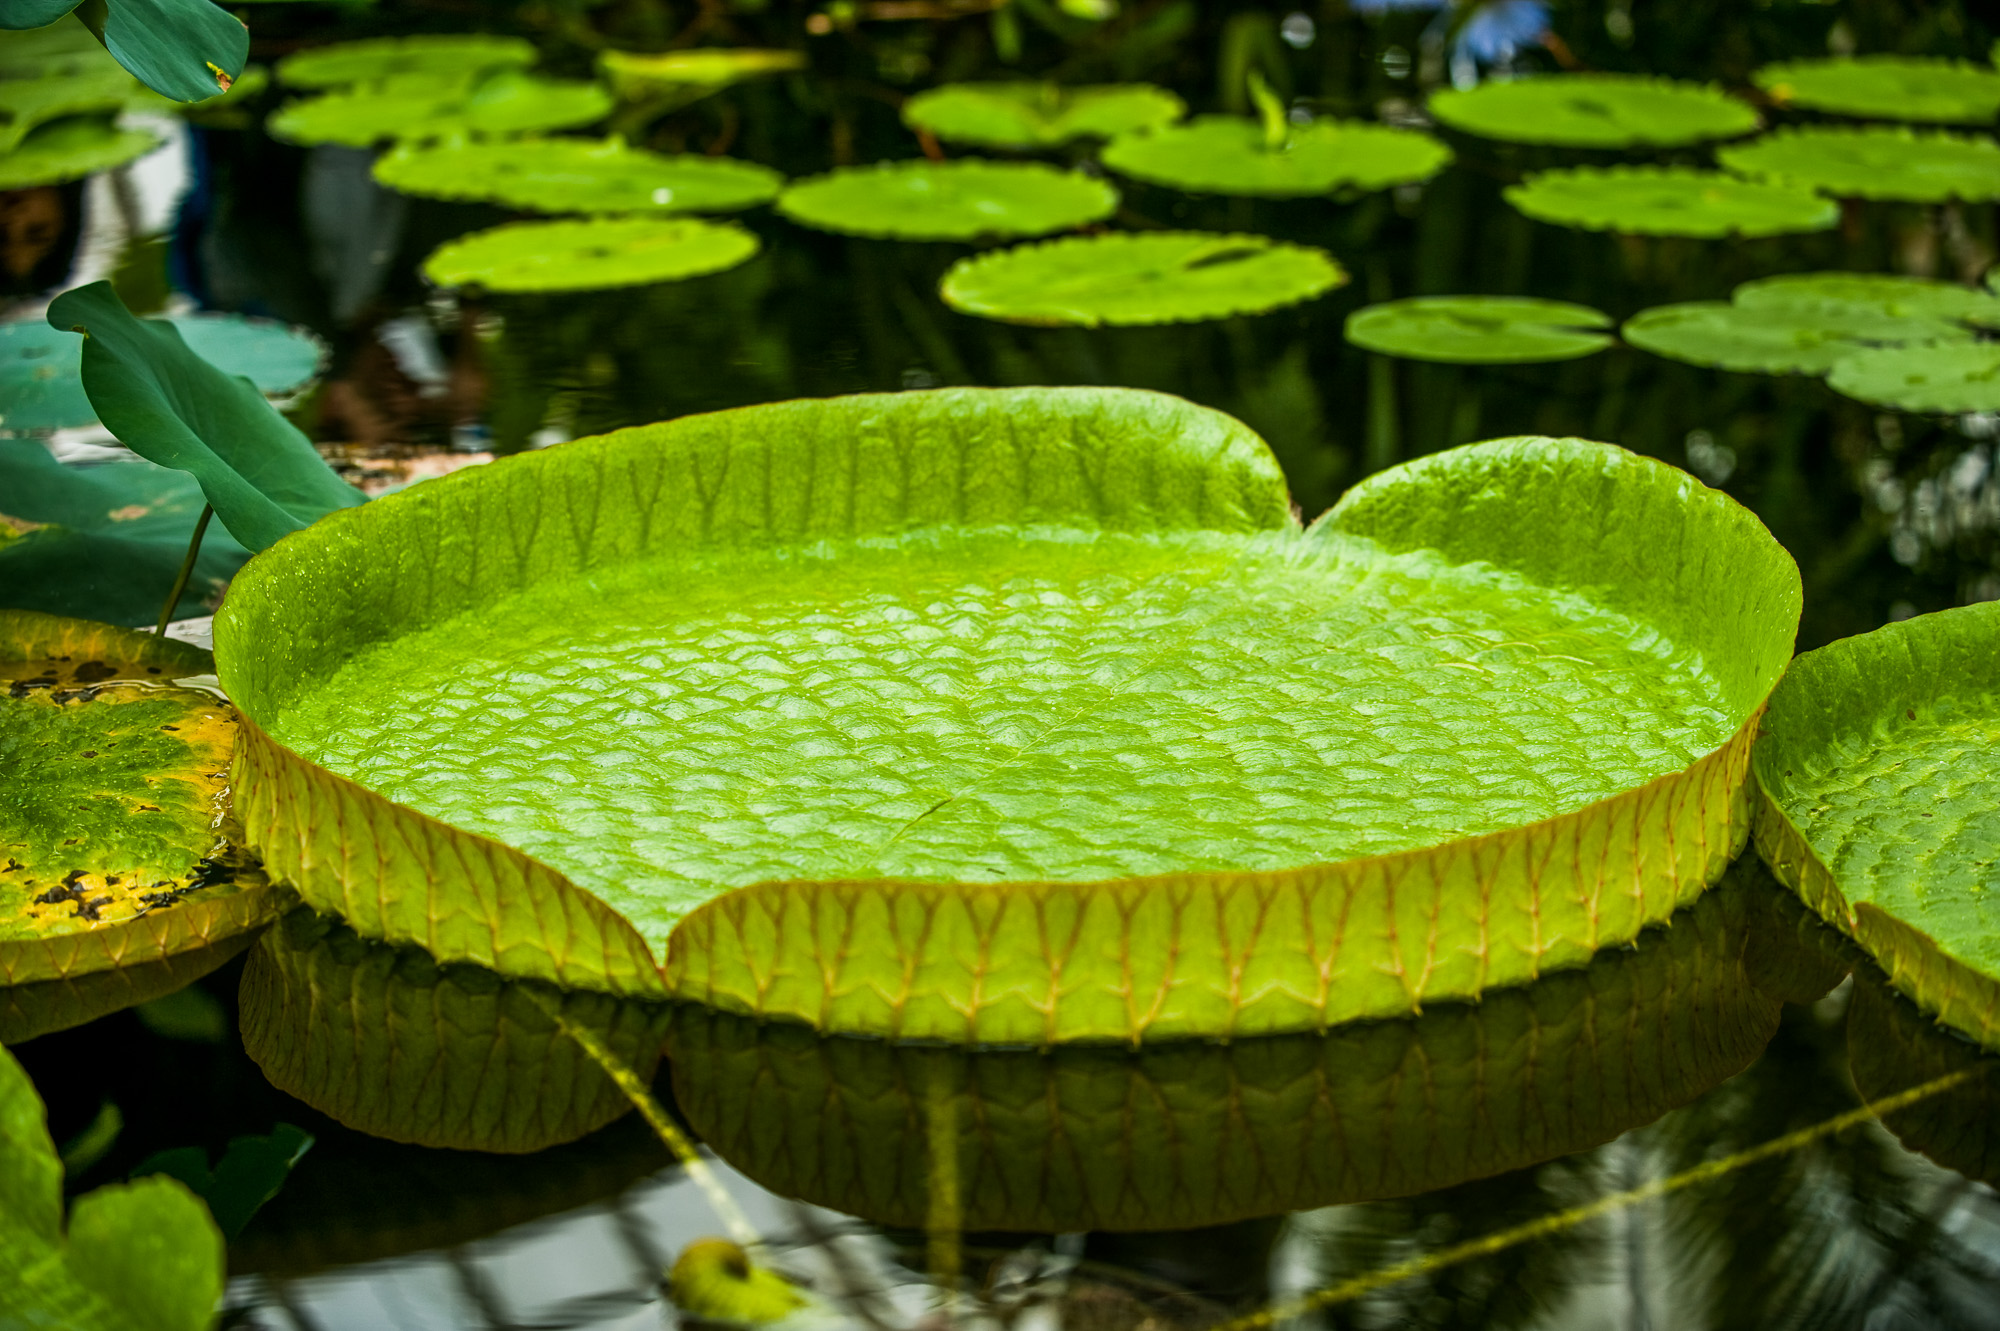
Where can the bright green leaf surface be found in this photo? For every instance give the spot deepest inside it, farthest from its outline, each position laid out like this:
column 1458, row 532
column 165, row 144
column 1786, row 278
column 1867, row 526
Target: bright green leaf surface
column 1480, row 330
column 1838, row 294
column 1779, row 338
column 26, row 103
column 584, row 255
column 1887, row 87
column 1153, row 277
column 1595, row 111
column 426, row 107
column 1949, row 380
column 464, row 55
column 1670, row 201
column 578, row 176
column 714, row 1280
column 70, row 150
column 1031, row 116
column 673, row 79
column 189, row 50
column 1874, row 163
column 959, row 200
column 1227, row 155
column 171, row 406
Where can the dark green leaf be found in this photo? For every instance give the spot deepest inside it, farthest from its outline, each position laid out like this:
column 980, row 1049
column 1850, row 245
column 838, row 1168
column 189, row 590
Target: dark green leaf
column 189, row 50
column 20, row 15
column 249, row 1174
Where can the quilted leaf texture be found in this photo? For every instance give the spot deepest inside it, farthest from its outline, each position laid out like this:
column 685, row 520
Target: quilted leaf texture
column 1011, row 716
column 1882, row 810
column 1198, row 1133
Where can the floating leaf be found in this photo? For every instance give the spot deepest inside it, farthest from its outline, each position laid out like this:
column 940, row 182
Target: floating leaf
column 424, row 107
column 464, row 55
column 1595, row 111
column 586, row 255
column 1154, row 278
column 29, row 1011
column 1480, row 330
column 1779, row 339
column 677, row 78
column 1948, row 380
column 1036, row 627
column 112, row 829
column 1228, row 155
column 1874, row 163
column 1887, row 87
column 26, row 103
column 1032, row 116
column 1871, row 293
column 188, row 50
column 1669, row 201
column 961, row 200
column 131, row 1255
column 70, row 150
column 578, row 176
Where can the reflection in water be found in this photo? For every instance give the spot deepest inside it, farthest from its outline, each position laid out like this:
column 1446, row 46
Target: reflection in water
column 1892, row 1045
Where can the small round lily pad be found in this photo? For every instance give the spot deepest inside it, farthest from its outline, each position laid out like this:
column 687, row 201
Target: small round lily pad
column 1948, row 380
column 1780, row 339
column 1480, row 330
column 463, row 55
column 687, row 76
column 578, row 176
column 1229, row 155
column 422, row 106
column 1887, row 87
column 1878, row 162
column 1595, row 111
column 1158, row 277
column 1875, row 293
column 958, row 200
column 71, row 149
column 589, row 254
column 1670, row 201
column 1031, row 116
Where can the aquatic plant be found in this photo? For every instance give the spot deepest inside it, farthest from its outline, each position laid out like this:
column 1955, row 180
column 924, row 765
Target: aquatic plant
column 966, row 199
column 71, row 149
column 1480, row 330
column 1886, row 87
column 1154, row 277
column 1948, row 380
column 663, row 82
column 1595, row 111
column 460, row 55
column 26, row 103
column 1875, row 162
column 184, row 49
column 1238, row 155
column 590, row 254
column 1034, row 116
column 426, row 107
column 578, row 176
column 1669, row 201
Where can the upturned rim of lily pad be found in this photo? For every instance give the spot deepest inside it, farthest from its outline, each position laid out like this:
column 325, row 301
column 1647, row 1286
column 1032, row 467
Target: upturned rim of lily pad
column 1822, row 78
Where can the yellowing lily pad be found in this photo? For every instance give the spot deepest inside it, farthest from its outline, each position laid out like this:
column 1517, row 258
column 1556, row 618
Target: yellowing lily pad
column 578, row 176
column 450, row 55
column 426, row 107
column 1480, row 330
column 959, row 200
column 1887, row 87
column 1595, row 111
column 1032, row 116
column 1155, row 277
column 677, row 78
column 1670, row 201
column 1231, row 155
column 1878, row 162
column 71, row 149
column 587, row 255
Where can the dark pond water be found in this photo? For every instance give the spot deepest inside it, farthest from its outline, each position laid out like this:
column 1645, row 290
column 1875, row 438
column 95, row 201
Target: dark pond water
column 1183, row 1186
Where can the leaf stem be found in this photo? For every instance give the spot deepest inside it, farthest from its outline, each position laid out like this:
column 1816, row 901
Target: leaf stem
column 187, row 570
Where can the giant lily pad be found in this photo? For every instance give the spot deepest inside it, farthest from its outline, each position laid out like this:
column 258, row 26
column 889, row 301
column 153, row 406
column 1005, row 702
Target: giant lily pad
column 113, row 822
column 583, row 255
column 1157, row 277
column 1232, row 155
column 423, row 106
column 1076, row 1139
column 1887, row 87
column 961, row 200
column 1595, row 111
column 947, row 672
column 578, row 176
column 28, row 1011
column 451, row 55
column 1670, row 201
column 70, row 149
column 1874, row 163
column 1031, row 116
column 1881, row 808
column 1480, row 330
column 1948, row 380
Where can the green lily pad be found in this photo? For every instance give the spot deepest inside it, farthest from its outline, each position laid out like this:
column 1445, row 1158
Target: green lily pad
column 71, row 149
column 1067, row 1140
column 674, row 79
column 53, row 50
column 960, row 200
column 425, row 107
column 1779, row 339
column 1595, row 111
column 1480, row 330
column 1228, row 155
column 587, row 255
column 114, row 833
column 1157, row 277
column 1947, row 380
column 1881, row 808
column 1871, row 293
column 1033, row 116
column 946, row 671
column 29, row 1011
column 1887, row 87
column 26, row 103
column 130, row 1255
column 464, row 55
column 578, row 176
column 1877, row 162
column 1670, row 201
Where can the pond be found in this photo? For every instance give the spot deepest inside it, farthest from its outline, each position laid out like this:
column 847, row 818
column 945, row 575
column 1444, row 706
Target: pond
column 603, row 904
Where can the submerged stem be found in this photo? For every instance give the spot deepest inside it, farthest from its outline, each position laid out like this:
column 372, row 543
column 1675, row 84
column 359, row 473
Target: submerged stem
column 187, row 570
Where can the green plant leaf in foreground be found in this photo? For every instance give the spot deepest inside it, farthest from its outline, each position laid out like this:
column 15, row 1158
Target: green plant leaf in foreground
column 169, row 405
column 1881, row 808
column 588, row 255
column 432, row 107
column 133, row 1255
column 1887, row 87
column 1669, row 201
column 71, row 149
column 1480, row 330
column 1595, row 111
column 578, row 176
column 1153, row 277
column 946, row 670
column 1876, row 162
column 463, row 55
column 1228, row 155
column 1033, row 116
column 189, row 50
column 1944, row 380
column 961, row 200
